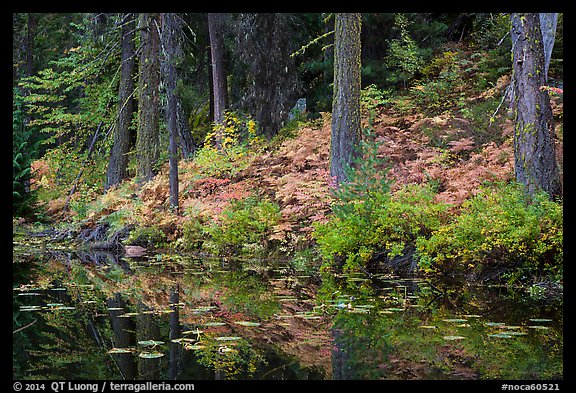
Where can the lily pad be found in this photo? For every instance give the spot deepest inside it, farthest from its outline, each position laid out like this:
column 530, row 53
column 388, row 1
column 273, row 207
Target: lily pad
column 225, row 349
column 455, row 320
column 150, row 343
column 453, row 338
column 514, row 333
column 194, row 347
column 208, row 324
column 500, row 335
column 121, row 350
column 539, row 327
column 247, row 323
column 498, row 324
column 428, row 327
column 128, row 315
column 540, row 320
column 183, row 340
column 228, row 338
column 150, row 355
column 195, row 331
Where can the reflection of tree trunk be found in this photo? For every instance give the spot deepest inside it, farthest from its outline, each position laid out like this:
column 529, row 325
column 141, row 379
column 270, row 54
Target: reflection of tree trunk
column 341, row 369
column 147, row 329
column 175, row 348
column 124, row 337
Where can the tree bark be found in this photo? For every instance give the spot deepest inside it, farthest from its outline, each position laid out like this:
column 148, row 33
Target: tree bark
column 271, row 86
column 534, row 153
column 346, row 131
column 148, row 111
column 170, row 43
column 118, row 164
column 219, row 86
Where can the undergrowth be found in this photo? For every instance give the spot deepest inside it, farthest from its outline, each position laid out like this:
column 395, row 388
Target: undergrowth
column 498, row 234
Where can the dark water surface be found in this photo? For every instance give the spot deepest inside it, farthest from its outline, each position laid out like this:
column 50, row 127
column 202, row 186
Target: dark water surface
column 100, row 316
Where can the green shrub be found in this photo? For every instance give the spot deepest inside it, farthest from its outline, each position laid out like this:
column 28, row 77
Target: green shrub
column 243, row 227
column 147, row 237
column 499, row 229
column 193, row 234
column 380, row 222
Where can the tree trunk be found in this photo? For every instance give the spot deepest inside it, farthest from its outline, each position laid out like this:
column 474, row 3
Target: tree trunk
column 118, row 164
column 187, row 145
column 271, row 85
column 534, row 153
column 148, row 111
column 170, row 43
column 346, row 97
column 219, row 85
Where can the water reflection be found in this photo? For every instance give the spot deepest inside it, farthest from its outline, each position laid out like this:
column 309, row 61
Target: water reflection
column 410, row 329
column 101, row 316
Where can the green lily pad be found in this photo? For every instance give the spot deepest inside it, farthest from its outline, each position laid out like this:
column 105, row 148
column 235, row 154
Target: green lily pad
column 455, row 320
column 150, row 355
column 195, row 331
column 540, row 320
column 128, row 315
column 428, row 327
column 194, row 347
column 472, row 316
column 539, row 327
column 150, row 343
column 453, row 338
column 494, row 323
column 183, row 340
column 247, row 323
column 500, row 335
column 208, row 324
column 514, row 333
column 121, row 350
column 228, row 338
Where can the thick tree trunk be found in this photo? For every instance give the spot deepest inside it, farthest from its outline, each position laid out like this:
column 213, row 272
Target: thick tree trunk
column 271, row 87
column 346, row 132
column 170, row 43
column 148, row 129
column 219, row 86
column 534, row 152
column 118, row 164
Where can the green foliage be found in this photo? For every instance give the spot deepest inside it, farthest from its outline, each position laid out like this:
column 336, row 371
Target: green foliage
column 240, row 361
column 238, row 139
column 67, row 101
column 147, row 237
column 23, row 151
column 243, row 227
column 368, row 219
column 500, row 229
column 404, row 56
column 378, row 223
